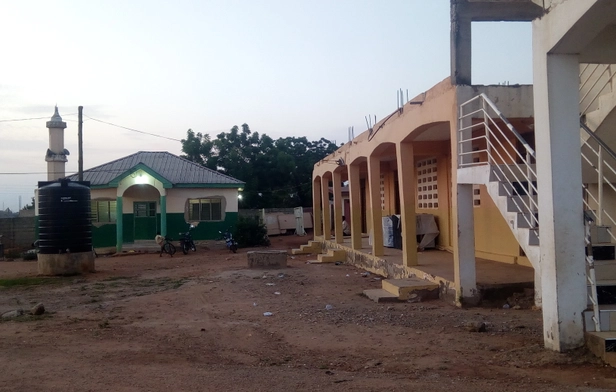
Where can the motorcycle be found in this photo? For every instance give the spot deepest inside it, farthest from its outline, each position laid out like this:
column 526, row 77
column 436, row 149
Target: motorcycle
column 228, row 238
column 186, row 241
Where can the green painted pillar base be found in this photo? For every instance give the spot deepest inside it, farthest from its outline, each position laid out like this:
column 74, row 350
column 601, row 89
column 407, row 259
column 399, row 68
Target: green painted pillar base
column 119, row 224
column 163, row 215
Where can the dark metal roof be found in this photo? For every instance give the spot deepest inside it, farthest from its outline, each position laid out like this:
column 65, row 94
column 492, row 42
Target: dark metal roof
column 171, row 167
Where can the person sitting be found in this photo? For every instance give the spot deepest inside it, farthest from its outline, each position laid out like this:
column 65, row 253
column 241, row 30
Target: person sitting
column 346, row 230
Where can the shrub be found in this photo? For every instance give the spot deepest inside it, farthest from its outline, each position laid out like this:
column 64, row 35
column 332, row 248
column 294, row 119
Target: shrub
column 249, row 231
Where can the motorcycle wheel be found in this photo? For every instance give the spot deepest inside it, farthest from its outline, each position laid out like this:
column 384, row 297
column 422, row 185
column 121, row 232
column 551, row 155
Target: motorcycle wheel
column 193, row 247
column 185, row 248
column 233, row 248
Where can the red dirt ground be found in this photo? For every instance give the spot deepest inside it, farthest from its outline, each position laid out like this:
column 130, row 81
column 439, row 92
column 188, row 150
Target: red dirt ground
column 196, row 323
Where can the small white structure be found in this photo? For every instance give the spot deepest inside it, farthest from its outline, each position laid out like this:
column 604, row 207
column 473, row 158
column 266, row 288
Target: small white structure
column 56, row 156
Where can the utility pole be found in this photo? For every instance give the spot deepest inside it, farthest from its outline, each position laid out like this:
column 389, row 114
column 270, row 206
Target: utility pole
column 80, row 141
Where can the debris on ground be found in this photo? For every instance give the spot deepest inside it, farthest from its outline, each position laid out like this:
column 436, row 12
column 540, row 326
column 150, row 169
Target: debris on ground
column 37, row 309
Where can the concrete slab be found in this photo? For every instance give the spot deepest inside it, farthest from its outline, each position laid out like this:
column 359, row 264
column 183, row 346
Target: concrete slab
column 439, row 264
column 380, row 295
column 403, row 288
column 267, row 259
column 602, row 344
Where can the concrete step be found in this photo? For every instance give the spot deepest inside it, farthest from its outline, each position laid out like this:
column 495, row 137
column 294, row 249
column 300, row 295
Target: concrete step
column 605, row 270
column 332, row 256
column 603, row 345
column 521, row 203
column 505, row 189
column 533, row 237
column 380, row 295
column 600, row 234
column 410, row 288
column 607, row 318
column 313, row 247
column 528, row 220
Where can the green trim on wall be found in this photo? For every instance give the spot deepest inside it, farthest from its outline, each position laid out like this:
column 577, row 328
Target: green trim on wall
column 129, row 228
column 230, row 186
column 204, row 230
column 163, row 215
column 119, row 223
column 105, row 235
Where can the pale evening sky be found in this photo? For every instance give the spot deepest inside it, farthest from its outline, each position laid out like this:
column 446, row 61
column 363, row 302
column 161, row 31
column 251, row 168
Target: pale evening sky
column 285, row 67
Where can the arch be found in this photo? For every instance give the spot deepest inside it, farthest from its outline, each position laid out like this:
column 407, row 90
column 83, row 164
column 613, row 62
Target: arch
column 434, row 131
column 385, row 151
column 139, row 177
column 142, row 186
column 358, row 160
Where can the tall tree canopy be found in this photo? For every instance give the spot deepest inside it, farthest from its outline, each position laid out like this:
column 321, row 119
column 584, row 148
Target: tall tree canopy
column 277, row 173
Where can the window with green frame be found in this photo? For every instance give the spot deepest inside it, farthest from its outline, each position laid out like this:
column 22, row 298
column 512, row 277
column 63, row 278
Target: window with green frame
column 103, row 211
column 205, row 209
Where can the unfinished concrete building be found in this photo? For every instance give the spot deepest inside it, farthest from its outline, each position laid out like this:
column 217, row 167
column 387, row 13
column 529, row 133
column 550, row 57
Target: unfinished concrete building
column 511, row 174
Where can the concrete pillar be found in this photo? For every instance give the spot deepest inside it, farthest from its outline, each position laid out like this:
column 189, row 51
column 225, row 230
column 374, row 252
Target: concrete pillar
column 376, row 215
column 355, row 200
column 119, row 224
column 163, row 215
column 460, row 45
column 464, row 246
column 337, row 189
column 463, row 219
column 316, row 207
column 327, row 221
column 407, row 186
column 559, row 181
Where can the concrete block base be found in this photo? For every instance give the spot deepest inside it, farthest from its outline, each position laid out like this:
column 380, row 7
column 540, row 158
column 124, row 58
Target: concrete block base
column 404, row 288
column 332, row 256
column 313, row 247
column 380, row 295
column 66, row 263
column 267, row 259
column 603, row 345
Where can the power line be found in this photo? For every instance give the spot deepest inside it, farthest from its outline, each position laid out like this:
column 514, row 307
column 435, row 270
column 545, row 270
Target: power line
column 133, row 130
column 32, row 118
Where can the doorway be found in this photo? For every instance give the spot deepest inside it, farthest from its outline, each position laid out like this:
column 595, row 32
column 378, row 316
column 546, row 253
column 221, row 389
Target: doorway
column 144, row 220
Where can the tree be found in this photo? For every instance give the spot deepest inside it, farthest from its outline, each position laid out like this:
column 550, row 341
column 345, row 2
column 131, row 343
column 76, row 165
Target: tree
column 196, row 146
column 29, row 206
column 277, row 173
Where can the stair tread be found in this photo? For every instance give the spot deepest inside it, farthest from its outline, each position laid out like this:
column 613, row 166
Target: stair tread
column 380, row 295
column 411, row 282
column 603, row 334
column 604, row 308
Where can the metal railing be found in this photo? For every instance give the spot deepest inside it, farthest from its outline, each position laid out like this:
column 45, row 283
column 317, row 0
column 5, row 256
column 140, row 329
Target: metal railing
column 598, row 158
column 590, row 273
column 491, row 138
column 595, row 80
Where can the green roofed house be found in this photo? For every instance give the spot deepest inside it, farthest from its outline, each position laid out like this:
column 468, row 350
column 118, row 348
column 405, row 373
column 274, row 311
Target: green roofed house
column 136, row 196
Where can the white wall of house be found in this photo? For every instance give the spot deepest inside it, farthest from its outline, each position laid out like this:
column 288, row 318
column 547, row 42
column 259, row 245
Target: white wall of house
column 177, row 197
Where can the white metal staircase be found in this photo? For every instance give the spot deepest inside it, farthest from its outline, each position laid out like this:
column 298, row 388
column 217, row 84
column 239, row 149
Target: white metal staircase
column 488, row 156
column 492, row 153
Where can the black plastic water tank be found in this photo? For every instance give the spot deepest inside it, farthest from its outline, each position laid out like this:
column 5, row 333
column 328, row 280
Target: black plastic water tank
column 64, row 218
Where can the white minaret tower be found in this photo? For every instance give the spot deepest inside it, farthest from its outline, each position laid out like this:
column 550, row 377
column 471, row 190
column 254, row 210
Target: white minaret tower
column 56, row 153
